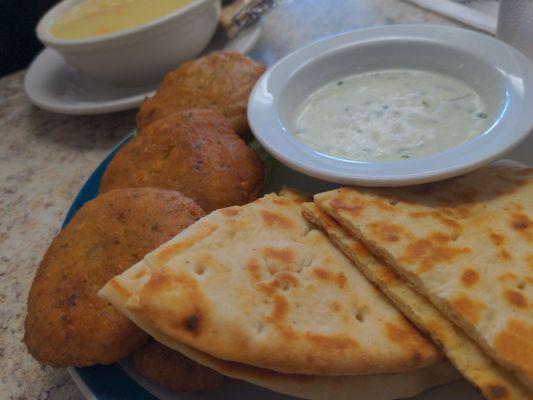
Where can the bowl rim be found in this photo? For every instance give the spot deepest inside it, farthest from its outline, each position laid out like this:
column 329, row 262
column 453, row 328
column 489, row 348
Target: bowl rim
column 47, row 20
column 269, row 130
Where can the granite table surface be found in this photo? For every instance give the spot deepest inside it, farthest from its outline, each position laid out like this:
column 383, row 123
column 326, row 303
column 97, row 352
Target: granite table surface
column 45, row 159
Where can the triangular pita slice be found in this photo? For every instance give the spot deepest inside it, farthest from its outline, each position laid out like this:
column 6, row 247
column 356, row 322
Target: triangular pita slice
column 258, row 285
column 493, row 381
column 315, row 387
column 465, row 244
column 400, row 385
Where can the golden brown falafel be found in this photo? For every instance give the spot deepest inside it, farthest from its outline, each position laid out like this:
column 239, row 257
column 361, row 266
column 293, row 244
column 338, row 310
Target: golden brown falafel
column 221, row 81
column 67, row 324
column 195, row 152
column 170, row 368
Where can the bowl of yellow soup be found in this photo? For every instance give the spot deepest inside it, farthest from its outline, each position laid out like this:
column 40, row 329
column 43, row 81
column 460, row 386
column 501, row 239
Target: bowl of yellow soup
column 130, row 42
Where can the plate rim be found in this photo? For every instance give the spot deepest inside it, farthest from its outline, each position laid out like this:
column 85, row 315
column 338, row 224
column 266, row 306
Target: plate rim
column 81, row 384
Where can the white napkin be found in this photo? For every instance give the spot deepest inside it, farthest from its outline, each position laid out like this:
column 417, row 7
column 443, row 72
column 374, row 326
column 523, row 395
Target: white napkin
column 516, row 25
column 481, row 14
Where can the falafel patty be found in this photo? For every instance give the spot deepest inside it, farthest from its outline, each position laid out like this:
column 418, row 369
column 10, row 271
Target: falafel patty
column 195, row 152
column 67, row 324
column 170, row 368
column 221, row 81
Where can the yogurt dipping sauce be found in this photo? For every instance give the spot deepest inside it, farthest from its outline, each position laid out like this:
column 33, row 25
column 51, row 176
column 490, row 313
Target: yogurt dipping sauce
column 390, row 115
column 99, row 17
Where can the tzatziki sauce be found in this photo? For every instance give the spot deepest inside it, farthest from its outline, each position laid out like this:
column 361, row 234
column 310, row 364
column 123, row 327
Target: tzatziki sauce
column 390, row 115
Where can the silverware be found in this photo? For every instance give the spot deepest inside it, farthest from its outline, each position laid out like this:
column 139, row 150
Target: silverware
column 240, row 14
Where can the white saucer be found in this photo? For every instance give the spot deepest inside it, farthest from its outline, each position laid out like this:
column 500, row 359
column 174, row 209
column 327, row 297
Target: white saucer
column 53, row 85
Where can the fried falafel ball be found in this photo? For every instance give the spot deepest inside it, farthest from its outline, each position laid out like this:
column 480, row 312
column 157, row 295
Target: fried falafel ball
column 221, row 81
column 67, row 324
column 195, row 152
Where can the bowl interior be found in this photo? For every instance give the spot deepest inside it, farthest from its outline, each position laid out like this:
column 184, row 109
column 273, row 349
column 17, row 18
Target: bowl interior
column 392, row 54
column 47, row 21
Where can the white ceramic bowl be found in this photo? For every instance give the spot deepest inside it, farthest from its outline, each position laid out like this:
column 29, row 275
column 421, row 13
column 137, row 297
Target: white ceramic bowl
column 501, row 75
column 141, row 55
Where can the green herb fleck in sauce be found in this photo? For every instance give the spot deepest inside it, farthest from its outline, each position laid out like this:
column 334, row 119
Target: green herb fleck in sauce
column 392, row 115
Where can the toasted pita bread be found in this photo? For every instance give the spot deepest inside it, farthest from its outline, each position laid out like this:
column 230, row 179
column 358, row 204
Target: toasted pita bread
column 314, row 387
column 399, row 385
column 465, row 244
column 257, row 285
column 492, row 380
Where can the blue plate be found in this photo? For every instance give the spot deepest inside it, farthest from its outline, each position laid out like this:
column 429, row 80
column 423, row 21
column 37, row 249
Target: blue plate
column 120, row 381
column 112, row 382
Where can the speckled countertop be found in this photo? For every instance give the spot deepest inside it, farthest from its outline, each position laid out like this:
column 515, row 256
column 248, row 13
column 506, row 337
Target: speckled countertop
column 45, row 158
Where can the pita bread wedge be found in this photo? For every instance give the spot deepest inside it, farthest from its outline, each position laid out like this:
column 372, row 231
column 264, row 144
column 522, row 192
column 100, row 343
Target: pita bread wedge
column 399, row 385
column 493, row 381
column 257, row 285
column 315, row 387
column 465, row 244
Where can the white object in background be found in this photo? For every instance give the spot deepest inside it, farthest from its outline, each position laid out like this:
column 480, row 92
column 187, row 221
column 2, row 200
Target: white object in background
column 481, row 14
column 515, row 24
